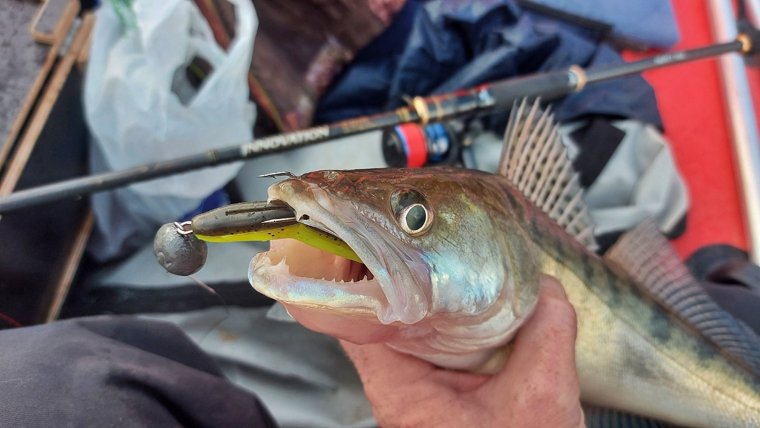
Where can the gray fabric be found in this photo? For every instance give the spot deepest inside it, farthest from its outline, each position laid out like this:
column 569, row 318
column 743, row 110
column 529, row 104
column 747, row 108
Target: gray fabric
column 486, row 151
column 303, row 378
column 116, row 371
column 225, row 263
column 639, row 181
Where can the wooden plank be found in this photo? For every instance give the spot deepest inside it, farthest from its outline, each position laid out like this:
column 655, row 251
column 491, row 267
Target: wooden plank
column 42, row 112
column 44, row 26
column 64, row 25
column 84, row 55
column 41, row 238
column 62, row 287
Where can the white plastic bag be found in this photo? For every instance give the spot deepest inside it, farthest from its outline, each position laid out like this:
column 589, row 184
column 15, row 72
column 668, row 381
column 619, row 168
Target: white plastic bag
column 131, row 109
column 136, row 116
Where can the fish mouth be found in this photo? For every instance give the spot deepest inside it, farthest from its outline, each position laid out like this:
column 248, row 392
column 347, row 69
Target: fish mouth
column 346, row 286
column 329, row 282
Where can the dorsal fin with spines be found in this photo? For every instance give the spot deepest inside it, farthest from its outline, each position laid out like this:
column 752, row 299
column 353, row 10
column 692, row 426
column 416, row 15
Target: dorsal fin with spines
column 536, row 162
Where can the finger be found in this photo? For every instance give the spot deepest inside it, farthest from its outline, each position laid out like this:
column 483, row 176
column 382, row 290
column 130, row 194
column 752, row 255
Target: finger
column 539, row 384
column 459, row 381
column 543, row 352
column 383, row 367
column 398, row 386
column 396, row 367
column 548, row 338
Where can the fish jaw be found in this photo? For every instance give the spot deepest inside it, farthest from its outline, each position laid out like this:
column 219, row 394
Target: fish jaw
column 436, row 296
column 359, row 298
column 336, row 306
column 381, row 297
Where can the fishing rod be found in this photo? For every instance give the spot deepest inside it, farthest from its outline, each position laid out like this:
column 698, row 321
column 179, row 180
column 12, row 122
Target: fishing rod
column 486, row 98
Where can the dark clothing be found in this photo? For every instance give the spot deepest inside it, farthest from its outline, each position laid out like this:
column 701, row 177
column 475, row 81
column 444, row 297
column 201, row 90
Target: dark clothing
column 440, row 46
column 731, row 279
column 116, row 371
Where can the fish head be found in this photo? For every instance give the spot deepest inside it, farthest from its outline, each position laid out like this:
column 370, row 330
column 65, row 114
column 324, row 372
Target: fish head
column 429, row 245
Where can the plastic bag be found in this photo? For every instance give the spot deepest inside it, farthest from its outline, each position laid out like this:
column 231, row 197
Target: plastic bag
column 140, row 108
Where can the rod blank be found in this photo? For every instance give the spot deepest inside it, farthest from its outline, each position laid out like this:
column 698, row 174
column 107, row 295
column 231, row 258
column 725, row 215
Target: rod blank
column 489, row 97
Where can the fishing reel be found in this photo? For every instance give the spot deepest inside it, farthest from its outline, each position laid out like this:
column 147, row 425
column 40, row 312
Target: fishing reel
column 412, row 145
column 471, row 144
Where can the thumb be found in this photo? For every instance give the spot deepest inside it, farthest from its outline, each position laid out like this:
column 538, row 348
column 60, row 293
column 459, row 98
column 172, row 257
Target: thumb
column 383, row 365
column 548, row 337
column 542, row 362
column 393, row 382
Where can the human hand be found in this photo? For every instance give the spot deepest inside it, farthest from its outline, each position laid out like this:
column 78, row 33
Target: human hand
column 538, row 386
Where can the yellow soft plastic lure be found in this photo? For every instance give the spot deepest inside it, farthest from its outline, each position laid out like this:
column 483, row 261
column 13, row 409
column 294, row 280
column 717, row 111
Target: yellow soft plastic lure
column 306, row 234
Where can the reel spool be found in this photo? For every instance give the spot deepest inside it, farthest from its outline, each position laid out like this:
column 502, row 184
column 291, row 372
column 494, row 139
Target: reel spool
column 413, row 146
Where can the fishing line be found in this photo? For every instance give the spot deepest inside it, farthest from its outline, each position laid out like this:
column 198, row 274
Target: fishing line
column 216, row 324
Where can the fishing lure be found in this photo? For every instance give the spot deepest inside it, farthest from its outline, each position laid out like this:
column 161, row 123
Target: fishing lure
column 181, row 247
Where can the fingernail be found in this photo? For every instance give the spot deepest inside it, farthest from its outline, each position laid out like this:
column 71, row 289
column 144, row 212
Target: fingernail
column 552, row 286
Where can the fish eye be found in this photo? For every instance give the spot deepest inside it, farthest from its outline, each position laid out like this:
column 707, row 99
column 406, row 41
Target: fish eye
column 414, row 219
column 412, row 212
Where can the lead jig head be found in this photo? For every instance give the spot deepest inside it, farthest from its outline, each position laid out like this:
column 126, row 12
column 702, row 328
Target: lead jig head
column 178, row 250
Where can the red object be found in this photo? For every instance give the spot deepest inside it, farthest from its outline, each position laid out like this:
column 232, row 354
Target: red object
column 414, row 137
column 9, row 320
column 691, row 103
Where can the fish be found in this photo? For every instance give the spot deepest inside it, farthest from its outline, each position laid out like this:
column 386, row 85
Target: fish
column 450, row 265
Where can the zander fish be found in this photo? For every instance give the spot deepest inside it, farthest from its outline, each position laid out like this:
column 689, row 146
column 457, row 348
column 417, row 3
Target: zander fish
column 451, row 265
